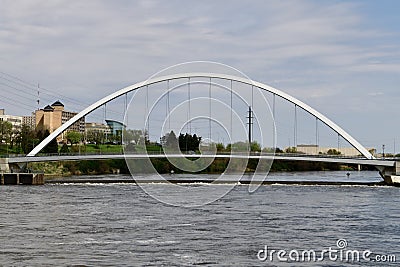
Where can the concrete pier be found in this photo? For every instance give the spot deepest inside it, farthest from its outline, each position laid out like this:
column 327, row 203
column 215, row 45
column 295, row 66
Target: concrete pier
column 22, row 179
column 392, row 175
column 4, row 166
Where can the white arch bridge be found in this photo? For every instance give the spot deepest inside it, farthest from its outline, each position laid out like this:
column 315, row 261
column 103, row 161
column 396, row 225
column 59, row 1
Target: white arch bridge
column 386, row 168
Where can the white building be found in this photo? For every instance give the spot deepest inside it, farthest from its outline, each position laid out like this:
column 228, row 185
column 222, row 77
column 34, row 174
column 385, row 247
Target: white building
column 29, row 121
column 344, row 151
column 16, row 121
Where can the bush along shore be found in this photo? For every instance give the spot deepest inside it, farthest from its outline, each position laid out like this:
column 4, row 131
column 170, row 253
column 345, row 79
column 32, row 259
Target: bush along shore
column 119, row 166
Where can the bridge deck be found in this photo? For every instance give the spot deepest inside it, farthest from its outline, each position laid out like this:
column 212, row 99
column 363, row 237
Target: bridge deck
column 288, row 157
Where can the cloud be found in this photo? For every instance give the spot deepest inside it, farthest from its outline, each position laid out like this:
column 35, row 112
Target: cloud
column 322, row 52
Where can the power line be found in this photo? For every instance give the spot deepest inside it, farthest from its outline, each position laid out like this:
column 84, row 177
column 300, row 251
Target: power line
column 31, row 87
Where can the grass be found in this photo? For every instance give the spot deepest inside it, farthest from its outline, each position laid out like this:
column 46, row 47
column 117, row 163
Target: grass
column 4, row 150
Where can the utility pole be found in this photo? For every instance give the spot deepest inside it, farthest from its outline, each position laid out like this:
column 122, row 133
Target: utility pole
column 250, row 123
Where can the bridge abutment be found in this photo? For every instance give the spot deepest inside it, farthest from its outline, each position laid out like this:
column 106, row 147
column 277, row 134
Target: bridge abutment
column 391, row 175
column 4, row 166
column 21, row 179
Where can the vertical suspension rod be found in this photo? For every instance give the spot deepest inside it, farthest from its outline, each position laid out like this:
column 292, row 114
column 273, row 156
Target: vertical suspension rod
column 316, row 136
column 189, row 124
column 209, row 112
column 168, row 109
column 126, row 109
column 295, row 127
column 231, row 130
column 147, row 117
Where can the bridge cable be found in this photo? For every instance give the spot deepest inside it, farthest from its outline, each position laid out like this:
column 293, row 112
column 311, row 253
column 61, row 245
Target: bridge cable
column 295, row 126
column 125, row 115
column 209, row 111
column 252, row 108
column 316, row 136
column 273, row 120
column 168, row 108
column 105, row 111
column 147, row 119
column 105, row 118
column 231, row 132
column 189, row 126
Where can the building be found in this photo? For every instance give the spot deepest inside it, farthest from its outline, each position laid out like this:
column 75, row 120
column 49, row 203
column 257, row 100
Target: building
column 96, row 132
column 97, row 127
column 16, row 121
column 29, row 121
column 344, row 151
column 116, row 127
column 53, row 116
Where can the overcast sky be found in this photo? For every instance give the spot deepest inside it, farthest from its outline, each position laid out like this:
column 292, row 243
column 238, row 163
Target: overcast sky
column 340, row 57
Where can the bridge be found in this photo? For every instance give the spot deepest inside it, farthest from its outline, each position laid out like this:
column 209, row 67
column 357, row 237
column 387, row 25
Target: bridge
column 388, row 169
column 267, row 156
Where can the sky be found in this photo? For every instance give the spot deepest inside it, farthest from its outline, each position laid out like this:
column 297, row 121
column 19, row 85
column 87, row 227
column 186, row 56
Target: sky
column 340, row 57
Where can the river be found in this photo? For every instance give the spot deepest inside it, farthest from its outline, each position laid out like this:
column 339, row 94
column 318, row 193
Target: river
column 120, row 225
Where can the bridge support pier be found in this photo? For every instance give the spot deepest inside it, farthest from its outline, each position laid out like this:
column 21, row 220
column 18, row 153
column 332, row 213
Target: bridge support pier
column 21, row 179
column 4, row 166
column 391, row 175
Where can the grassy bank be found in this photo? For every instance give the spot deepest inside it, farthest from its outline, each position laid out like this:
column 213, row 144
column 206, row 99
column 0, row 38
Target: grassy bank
column 112, row 166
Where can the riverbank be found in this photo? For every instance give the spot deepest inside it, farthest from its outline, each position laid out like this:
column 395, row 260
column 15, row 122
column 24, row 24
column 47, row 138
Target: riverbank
column 112, row 166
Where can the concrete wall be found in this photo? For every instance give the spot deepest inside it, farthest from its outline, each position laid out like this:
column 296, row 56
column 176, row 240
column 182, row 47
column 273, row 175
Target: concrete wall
column 21, row 179
column 4, row 167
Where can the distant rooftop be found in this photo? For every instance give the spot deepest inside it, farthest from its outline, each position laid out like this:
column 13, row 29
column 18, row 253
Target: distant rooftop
column 48, row 108
column 57, row 104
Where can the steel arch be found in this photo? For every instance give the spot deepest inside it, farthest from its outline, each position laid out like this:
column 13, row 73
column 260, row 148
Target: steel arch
column 270, row 89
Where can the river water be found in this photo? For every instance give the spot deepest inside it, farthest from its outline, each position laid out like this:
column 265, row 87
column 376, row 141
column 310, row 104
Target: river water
column 120, row 225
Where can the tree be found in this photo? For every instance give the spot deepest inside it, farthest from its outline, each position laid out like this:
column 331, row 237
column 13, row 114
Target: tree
column 220, row 147
column 255, row 147
column 171, row 140
column 64, row 148
column 5, row 132
column 135, row 136
column 188, row 142
column 52, row 147
column 291, row 149
column 240, row 147
column 74, row 137
column 94, row 136
column 333, row 151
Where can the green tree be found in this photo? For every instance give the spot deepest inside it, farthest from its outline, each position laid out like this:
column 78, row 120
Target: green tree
column 74, row 137
column 291, row 149
column 135, row 136
column 188, row 142
column 5, row 132
column 169, row 142
column 255, row 147
column 333, row 151
column 220, row 147
column 96, row 137
column 52, row 147
column 64, row 148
